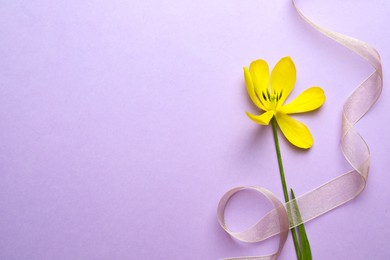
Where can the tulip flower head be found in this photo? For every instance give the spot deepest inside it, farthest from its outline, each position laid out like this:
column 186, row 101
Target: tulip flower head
column 270, row 93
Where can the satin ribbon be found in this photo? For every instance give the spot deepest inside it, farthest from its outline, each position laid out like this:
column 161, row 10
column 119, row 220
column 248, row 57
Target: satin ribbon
column 337, row 191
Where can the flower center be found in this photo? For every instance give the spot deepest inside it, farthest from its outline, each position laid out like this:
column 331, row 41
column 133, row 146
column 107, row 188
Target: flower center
column 273, row 97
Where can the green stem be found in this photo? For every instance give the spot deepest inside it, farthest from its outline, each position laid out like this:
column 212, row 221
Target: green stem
column 285, row 193
column 279, row 155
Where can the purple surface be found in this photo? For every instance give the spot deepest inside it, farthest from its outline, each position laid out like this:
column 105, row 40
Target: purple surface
column 122, row 123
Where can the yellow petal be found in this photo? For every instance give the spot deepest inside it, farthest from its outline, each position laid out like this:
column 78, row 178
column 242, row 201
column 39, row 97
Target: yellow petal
column 296, row 132
column 251, row 90
column 260, row 77
column 262, row 119
column 308, row 100
column 283, row 78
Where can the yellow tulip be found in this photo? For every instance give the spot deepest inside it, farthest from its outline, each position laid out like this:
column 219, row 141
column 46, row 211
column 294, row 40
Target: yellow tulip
column 270, row 93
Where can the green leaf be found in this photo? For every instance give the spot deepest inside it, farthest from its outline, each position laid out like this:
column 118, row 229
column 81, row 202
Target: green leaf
column 304, row 241
column 296, row 244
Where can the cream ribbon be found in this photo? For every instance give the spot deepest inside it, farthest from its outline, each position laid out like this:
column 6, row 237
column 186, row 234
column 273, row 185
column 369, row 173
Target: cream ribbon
column 337, row 191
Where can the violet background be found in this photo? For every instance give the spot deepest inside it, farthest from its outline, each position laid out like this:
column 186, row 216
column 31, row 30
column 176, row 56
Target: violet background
column 122, row 123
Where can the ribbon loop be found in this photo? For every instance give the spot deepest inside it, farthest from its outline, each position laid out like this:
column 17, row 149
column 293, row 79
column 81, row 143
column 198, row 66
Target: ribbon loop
column 275, row 222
